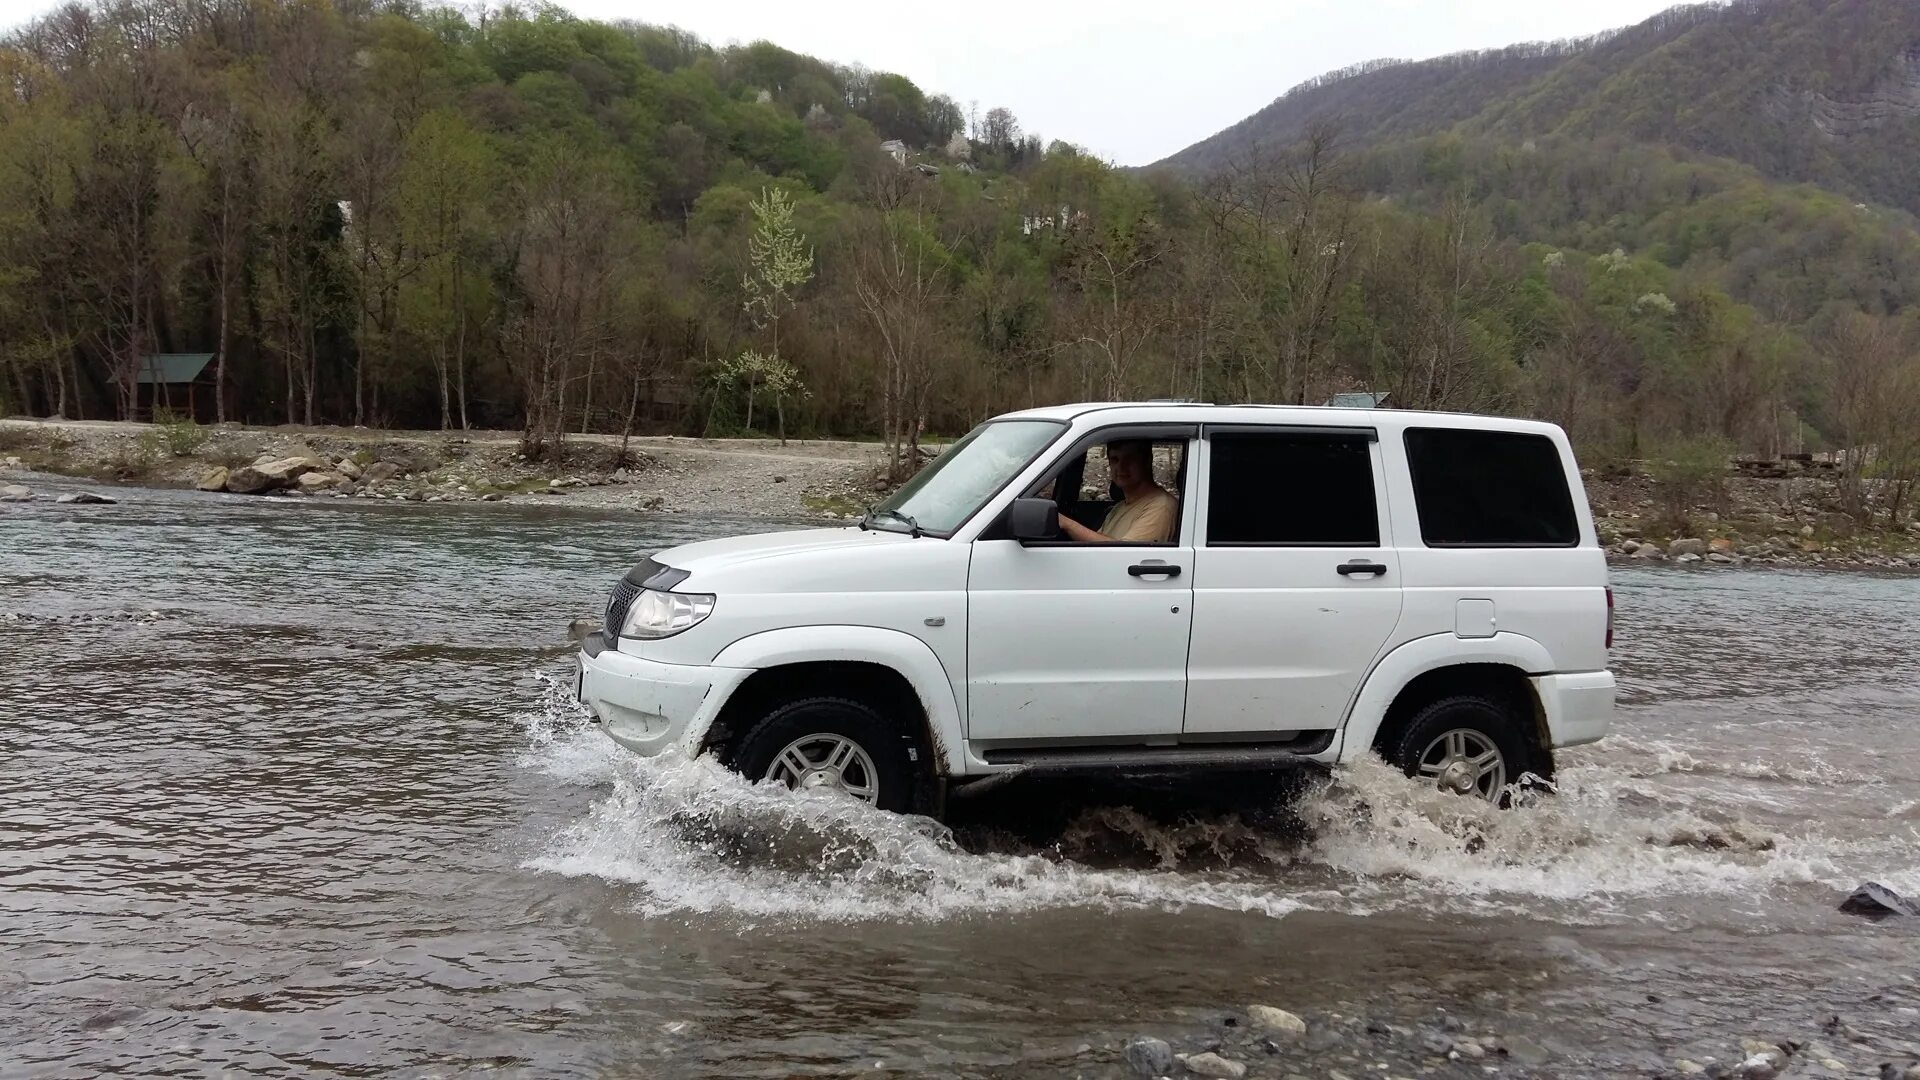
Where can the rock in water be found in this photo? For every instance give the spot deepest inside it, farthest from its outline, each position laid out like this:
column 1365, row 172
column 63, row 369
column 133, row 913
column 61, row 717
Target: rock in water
column 86, row 498
column 1876, row 901
column 16, row 493
column 1213, row 1065
column 1271, row 1021
column 1148, row 1056
column 214, row 480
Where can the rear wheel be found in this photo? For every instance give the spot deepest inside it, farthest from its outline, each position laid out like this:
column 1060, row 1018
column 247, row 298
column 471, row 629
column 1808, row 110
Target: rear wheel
column 829, row 744
column 1465, row 745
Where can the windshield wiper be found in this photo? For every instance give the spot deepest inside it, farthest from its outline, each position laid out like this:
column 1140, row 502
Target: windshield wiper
column 913, row 527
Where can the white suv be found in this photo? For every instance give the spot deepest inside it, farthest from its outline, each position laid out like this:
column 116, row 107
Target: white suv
column 1420, row 585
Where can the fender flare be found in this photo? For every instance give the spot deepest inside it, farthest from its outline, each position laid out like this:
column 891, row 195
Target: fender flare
column 1394, row 671
column 910, row 657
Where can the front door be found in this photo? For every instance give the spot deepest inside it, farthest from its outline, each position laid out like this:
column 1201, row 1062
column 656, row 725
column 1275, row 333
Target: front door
column 1081, row 641
column 1295, row 590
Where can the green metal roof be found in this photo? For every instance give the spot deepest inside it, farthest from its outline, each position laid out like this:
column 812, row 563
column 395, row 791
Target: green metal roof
column 172, row 367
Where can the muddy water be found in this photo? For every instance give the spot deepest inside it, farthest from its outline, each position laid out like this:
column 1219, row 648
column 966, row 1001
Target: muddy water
column 291, row 787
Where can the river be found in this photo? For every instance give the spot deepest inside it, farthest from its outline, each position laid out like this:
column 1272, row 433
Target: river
column 293, row 787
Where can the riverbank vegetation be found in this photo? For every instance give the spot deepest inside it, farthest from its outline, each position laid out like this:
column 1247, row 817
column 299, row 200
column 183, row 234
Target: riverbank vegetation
column 397, row 215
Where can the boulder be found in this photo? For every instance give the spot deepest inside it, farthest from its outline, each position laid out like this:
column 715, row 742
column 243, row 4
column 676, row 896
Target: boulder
column 380, row 472
column 265, row 457
column 86, row 498
column 1876, row 901
column 273, row 475
column 16, row 493
column 1268, row 1020
column 1687, row 546
column 1213, row 1065
column 214, row 480
column 1721, row 544
column 348, row 469
column 1719, row 557
column 1649, row 550
column 320, row 481
column 1148, row 1056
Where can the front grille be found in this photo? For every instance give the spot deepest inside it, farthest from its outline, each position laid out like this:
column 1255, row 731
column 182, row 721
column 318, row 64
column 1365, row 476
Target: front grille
column 623, row 594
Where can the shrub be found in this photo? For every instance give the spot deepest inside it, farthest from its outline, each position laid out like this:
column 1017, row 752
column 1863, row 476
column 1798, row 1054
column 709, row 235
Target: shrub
column 173, row 435
column 1687, row 473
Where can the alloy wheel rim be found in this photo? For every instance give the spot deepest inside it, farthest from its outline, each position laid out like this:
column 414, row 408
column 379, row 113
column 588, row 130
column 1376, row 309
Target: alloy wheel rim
column 1465, row 762
column 826, row 762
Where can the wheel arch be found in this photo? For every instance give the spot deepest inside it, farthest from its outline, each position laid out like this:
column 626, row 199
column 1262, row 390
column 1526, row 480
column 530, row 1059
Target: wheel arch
column 1427, row 669
column 894, row 671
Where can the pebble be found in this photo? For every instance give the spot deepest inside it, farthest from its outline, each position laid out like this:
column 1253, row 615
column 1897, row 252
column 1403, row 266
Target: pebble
column 1436, row 1043
column 1469, row 1049
column 1271, row 1021
column 1213, row 1065
column 1148, row 1056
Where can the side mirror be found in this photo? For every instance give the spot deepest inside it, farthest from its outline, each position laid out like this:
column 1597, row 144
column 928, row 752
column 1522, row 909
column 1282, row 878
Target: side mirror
column 1034, row 519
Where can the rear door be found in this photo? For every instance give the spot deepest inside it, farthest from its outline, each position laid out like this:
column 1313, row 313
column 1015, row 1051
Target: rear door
column 1296, row 587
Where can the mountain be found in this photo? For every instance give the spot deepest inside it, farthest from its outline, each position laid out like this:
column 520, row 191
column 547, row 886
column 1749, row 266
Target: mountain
column 1818, row 91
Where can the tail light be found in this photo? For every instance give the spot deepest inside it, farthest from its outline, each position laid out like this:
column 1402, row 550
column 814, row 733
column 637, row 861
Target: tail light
column 1609, row 617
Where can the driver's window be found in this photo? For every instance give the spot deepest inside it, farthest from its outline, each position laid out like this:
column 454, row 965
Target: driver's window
column 1096, row 485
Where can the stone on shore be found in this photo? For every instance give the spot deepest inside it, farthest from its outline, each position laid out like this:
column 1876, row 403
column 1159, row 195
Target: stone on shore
column 1687, row 546
column 320, row 481
column 380, row 472
column 1649, row 550
column 273, row 475
column 345, row 467
column 1268, row 1020
column 1148, row 1056
column 1213, row 1065
column 215, row 479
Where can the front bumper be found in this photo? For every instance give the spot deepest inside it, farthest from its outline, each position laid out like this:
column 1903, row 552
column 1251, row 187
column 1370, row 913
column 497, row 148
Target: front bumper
column 1578, row 707
column 649, row 707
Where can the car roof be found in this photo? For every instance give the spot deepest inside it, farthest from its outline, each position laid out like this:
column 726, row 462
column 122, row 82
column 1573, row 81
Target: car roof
column 1147, row 412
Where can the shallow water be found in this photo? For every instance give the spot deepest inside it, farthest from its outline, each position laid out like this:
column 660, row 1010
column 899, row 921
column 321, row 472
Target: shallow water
column 293, row 786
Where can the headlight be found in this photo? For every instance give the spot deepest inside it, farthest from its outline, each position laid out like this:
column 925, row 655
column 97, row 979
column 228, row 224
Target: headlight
column 656, row 614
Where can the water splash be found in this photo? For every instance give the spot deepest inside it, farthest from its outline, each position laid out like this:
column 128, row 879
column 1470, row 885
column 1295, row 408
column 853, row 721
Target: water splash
column 692, row 837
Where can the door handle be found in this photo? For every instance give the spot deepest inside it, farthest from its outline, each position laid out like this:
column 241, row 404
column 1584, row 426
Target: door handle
column 1153, row 569
column 1360, row 566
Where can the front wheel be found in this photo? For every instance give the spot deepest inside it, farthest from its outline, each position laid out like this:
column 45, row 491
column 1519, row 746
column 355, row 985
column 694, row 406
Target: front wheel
column 1465, row 745
column 829, row 744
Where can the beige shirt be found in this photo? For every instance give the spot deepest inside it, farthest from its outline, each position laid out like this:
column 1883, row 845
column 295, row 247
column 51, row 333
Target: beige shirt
column 1150, row 519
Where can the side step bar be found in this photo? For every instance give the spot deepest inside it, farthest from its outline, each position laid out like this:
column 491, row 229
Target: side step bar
column 1105, row 758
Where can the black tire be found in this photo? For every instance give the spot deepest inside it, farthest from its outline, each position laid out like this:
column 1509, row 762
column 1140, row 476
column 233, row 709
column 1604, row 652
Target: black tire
column 1492, row 721
column 753, row 756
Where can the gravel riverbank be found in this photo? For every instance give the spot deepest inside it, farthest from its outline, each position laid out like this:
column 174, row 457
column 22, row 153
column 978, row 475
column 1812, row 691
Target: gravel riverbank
column 1792, row 521
column 813, row 479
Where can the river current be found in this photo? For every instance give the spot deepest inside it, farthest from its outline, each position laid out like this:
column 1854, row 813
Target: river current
column 294, row 787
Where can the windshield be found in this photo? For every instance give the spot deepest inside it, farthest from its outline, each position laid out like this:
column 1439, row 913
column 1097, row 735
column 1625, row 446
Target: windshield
column 946, row 493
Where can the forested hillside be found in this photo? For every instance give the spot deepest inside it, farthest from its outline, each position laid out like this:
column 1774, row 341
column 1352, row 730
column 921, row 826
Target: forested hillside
column 389, row 214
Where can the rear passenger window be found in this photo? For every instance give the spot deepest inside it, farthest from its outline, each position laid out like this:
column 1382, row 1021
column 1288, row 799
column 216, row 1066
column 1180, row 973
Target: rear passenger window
column 1303, row 489
column 1490, row 489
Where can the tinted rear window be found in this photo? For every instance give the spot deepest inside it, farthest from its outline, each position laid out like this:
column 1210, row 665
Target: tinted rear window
column 1293, row 489
column 1490, row 489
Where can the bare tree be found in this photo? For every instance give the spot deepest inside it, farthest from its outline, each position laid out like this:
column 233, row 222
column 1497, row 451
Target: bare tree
column 900, row 276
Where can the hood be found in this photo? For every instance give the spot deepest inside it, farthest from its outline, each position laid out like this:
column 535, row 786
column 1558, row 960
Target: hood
column 710, row 557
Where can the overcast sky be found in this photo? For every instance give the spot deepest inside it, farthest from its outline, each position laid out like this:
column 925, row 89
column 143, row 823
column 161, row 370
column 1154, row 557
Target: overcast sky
column 1132, row 81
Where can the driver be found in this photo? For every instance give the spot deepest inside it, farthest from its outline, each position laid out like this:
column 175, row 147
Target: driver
column 1148, row 515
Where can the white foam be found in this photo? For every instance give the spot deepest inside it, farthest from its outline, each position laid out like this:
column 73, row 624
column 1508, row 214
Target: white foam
column 1585, row 844
column 689, row 836
column 694, row 837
